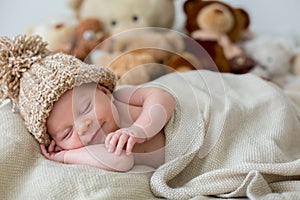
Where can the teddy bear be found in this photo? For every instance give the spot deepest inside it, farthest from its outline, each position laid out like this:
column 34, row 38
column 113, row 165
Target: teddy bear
column 58, row 32
column 88, row 34
column 149, row 52
column 184, row 62
column 218, row 27
column 135, row 67
column 274, row 58
column 118, row 16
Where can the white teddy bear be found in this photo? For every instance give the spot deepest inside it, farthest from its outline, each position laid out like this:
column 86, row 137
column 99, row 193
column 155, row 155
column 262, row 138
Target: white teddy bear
column 273, row 56
column 120, row 15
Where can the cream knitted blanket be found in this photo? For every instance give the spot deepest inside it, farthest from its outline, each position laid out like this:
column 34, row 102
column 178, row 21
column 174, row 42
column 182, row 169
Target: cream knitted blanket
column 230, row 136
column 26, row 174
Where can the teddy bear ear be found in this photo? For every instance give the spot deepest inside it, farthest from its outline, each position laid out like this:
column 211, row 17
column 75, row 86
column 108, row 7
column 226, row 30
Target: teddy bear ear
column 191, row 9
column 242, row 22
column 244, row 15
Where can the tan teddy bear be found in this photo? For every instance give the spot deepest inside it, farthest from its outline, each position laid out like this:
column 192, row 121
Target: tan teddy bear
column 135, row 67
column 134, row 48
column 149, row 52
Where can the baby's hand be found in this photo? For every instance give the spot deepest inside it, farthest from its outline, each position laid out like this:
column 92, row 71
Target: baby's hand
column 54, row 152
column 116, row 141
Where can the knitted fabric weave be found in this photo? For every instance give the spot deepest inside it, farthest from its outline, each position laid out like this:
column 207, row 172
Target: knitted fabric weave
column 33, row 79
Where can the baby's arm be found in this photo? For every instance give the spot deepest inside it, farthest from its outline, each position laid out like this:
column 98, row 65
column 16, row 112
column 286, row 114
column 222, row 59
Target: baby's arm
column 93, row 155
column 158, row 106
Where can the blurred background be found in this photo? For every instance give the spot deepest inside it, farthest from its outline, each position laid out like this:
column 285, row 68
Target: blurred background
column 276, row 58
column 280, row 17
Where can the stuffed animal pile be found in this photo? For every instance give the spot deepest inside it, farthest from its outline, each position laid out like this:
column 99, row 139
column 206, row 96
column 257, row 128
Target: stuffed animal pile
column 136, row 38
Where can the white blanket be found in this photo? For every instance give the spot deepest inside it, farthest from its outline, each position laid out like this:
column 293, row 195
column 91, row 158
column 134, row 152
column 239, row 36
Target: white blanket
column 230, row 136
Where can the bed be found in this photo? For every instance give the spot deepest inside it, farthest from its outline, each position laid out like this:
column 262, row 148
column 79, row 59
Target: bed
column 238, row 138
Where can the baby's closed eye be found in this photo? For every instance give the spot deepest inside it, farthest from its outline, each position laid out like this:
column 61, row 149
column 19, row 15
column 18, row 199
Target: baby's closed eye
column 87, row 106
column 67, row 133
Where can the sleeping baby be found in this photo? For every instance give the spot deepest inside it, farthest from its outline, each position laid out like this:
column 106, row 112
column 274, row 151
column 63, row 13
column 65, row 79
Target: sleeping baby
column 129, row 120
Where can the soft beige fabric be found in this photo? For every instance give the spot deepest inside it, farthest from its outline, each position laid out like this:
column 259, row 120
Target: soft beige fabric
column 239, row 137
column 247, row 144
column 26, row 174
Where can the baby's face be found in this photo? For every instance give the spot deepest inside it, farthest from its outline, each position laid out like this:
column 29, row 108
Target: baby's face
column 82, row 116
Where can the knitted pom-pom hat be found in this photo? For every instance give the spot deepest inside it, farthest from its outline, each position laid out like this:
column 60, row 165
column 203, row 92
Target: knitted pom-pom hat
column 33, row 79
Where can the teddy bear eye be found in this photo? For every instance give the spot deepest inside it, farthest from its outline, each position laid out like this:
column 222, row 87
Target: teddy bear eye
column 135, row 18
column 113, row 23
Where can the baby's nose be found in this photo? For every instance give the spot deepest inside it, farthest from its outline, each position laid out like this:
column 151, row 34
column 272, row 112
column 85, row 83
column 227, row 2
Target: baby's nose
column 83, row 126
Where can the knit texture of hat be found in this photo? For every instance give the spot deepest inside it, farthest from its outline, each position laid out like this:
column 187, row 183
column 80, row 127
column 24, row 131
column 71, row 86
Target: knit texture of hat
column 33, row 79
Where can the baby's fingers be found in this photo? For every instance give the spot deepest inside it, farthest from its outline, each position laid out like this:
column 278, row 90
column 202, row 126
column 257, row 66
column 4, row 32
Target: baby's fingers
column 113, row 142
column 44, row 150
column 107, row 139
column 51, row 147
column 121, row 143
column 130, row 144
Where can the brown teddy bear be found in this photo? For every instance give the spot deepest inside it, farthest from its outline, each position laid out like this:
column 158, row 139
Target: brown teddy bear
column 218, row 27
column 88, row 34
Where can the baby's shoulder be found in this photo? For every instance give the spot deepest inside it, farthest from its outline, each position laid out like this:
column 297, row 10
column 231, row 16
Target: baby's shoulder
column 135, row 94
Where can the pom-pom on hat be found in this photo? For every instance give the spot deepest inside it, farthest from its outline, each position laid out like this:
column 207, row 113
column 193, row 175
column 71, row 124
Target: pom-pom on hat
column 33, row 79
